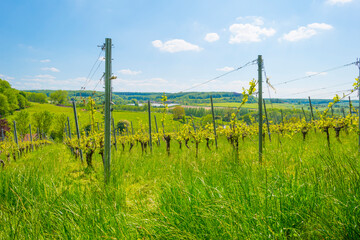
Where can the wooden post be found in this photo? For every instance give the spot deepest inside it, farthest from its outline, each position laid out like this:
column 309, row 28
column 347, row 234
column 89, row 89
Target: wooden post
column 350, row 106
column 157, row 130
column 114, row 133
column 304, row 113
column 260, row 66
column 107, row 110
column 213, row 118
column 15, row 134
column 77, row 128
column 16, row 138
column 267, row 120
column 132, row 129
column 193, row 123
column 31, row 138
column 282, row 117
column 2, row 134
column 311, row 108
column 69, row 129
column 343, row 112
column 358, row 64
column 150, row 137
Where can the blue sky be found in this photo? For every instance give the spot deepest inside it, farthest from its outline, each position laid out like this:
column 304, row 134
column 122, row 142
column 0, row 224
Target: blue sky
column 173, row 45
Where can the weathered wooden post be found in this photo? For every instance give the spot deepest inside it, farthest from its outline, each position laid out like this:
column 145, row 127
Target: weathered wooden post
column 213, row 118
column 267, row 121
column 150, row 137
column 157, row 130
column 31, row 138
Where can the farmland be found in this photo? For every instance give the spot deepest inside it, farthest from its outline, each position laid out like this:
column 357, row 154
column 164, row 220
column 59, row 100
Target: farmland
column 302, row 189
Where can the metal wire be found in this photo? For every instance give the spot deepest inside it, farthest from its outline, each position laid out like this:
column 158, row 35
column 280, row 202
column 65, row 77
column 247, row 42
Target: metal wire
column 210, row 80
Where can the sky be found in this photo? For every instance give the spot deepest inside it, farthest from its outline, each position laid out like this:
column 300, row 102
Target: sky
column 174, row 45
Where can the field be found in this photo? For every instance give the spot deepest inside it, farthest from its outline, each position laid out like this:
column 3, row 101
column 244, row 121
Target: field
column 302, row 190
column 250, row 105
column 84, row 116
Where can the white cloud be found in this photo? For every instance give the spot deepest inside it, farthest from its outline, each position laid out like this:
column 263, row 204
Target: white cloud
column 246, row 33
column 129, row 72
column 255, row 20
column 317, row 73
column 4, row 77
column 305, row 32
column 225, row 69
column 175, row 45
column 44, row 81
column 45, row 61
column 338, row 2
column 320, row 26
column 145, row 82
column 52, row 69
column 45, row 76
column 211, row 37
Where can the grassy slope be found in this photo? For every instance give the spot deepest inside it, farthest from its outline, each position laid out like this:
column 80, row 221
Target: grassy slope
column 84, row 116
column 302, row 190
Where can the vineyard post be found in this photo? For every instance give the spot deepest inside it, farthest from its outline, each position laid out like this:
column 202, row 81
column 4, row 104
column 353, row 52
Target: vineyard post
column 38, row 133
column 343, row 112
column 213, row 118
column 31, row 138
column 311, row 108
column 282, row 117
column 350, row 105
column 157, row 130
column 2, row 134
column 15, row 134
column 149, row 113
column 267, row 121
column 65, row 130
column 114, row 133
column 98, row 126
column 69, row 127
column 77, row 127
column 107, row 147
column 132, row 129
column 332, row 112
column 259, row 61
column 358, row 64
column 304, row 113
column 193, row 123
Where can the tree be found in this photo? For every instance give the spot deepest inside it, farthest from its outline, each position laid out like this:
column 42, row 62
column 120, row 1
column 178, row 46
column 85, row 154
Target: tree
column 22, row 123
column 14, row 98
column 122, row 125
column 4, row 105
column 59, row 125
column 23, row 103
column 43, row 121
column 59, row 96
column 178, row 113
column 36, row 97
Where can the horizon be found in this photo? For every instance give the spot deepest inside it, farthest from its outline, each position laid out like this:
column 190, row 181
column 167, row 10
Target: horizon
column 309, row 47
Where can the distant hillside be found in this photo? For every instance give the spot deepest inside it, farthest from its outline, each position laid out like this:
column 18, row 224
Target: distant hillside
column 182, row 98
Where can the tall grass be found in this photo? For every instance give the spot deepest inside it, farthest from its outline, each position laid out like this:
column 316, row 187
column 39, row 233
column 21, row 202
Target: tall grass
column 303, row 190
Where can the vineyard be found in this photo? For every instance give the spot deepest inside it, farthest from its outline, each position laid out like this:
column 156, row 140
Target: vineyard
column 186, row 181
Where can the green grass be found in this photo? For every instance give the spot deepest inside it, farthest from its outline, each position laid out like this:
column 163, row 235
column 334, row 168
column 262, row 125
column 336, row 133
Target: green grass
column 84, row 116
column 302, row 190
